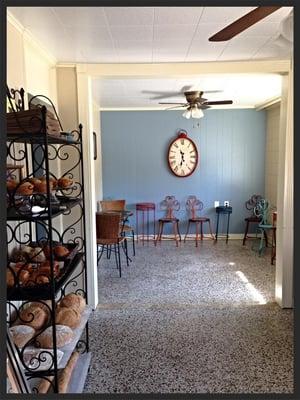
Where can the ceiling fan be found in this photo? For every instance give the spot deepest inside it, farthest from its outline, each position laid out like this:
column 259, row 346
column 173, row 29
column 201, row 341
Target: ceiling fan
column 195, row 103
column 251, row 18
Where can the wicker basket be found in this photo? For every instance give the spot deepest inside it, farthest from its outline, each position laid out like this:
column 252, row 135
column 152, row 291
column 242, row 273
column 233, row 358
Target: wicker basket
column 31, row 121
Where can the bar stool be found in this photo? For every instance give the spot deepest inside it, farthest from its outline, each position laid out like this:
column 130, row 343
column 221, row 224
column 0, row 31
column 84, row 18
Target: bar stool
column 145, row 208
column 227, row 211
column 250, row 205
column 193, row 205
column 169, row 204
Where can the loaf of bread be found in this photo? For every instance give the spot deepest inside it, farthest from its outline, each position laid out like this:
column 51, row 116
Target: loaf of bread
column 33, row 316
column 34, row 181
column 21, row 334
column 65, row 376
column 42, row 187
column 75, row 301
column 10, row 279
column 67, row 316
column 64, row 335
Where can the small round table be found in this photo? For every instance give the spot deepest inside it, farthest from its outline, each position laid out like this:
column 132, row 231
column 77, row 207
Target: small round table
column 223, row 210
column 145, row 208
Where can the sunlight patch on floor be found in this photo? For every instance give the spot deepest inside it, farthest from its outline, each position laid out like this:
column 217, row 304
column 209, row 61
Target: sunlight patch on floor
column 257, row 296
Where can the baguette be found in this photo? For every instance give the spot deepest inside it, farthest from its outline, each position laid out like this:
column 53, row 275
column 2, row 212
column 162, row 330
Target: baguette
column 65, row 376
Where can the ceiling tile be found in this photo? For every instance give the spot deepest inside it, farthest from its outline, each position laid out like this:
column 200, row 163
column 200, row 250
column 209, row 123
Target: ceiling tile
column 242, row 47
column 132, row 32
column 177, row 15
column 81, row 17
column 93, row 35
column 202, row 50
column 129, row 15
column 174, row 32
column 223, row 14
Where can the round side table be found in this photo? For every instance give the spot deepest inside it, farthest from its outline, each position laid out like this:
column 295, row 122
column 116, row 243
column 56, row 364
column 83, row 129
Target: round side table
column 145, row 208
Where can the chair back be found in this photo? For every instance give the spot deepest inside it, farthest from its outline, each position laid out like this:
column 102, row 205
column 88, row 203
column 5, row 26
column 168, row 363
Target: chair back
column 261, row 210
column 193, row 205
column 252, row 203
column 112, row 205
column 170, row 204
column 107, row 225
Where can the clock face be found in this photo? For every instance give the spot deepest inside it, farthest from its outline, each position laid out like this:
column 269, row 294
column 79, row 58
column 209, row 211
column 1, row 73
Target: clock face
column 182, row 156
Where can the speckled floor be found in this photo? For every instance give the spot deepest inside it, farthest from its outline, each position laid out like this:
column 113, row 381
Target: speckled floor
column 184, row 320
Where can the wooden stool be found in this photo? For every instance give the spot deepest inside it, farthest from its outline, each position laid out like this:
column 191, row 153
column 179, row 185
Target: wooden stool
column 145, row 208
column 174, row 222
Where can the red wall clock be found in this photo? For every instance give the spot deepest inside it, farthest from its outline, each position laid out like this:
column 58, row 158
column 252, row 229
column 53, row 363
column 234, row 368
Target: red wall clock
column 182, row 155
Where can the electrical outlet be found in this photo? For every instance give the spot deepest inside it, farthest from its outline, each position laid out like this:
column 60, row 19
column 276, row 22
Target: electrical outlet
column 217, row 203
column 226, row 203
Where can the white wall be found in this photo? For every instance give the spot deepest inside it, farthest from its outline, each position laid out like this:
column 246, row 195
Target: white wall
column 272, row 153
column 29, row 65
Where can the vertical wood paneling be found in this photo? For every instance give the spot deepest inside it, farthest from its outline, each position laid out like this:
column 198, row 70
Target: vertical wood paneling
column 231, row 144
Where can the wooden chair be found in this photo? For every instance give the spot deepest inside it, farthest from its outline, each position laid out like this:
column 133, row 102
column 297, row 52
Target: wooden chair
column 119, row 205
column 250, row 205
column 169, row 204
column 193, row 205
column 108, row 235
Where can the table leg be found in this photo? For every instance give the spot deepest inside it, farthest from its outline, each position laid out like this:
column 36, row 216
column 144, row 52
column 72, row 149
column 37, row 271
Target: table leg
column 228, row 218
column 217, row 229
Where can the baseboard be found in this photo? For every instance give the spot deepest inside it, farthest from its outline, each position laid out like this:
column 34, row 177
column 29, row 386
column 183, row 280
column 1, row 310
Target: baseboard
column 232, row 236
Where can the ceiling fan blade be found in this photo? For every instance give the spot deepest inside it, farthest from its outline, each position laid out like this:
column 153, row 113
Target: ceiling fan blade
column 242, row 23
column 170, row 108
column 162, row 95
column 200, row 100
column 212, row 91
column 217, row 103
column 183, row 104
column 204, row 107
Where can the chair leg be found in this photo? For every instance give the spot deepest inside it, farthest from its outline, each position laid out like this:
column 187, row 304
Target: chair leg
column 101, row 252
column 261, row 245
column 119, row 258
column 116, row 255
column 126, row 251
column 187, row 231
column 246, row 233
column 177, row 227
column 196, row 240
column 201, row 227
column 133, row 242
column 175, row 232
column 160, row 228
column 211, row 234
column 266, row 237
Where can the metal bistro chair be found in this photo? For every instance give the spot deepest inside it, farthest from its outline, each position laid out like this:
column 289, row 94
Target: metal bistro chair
column 193, row 205
column 261, row 210
column 169, row 204
column 108, row 235
column 250, row 205
column 119, row 205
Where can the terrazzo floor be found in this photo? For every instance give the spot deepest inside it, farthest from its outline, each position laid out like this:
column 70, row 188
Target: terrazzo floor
column 190, row 320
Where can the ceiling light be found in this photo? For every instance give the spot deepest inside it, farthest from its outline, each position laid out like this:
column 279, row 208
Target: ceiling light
column 187, row 114
column 197, row 112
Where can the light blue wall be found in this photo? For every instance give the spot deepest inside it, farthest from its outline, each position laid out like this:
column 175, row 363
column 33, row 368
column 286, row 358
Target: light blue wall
column 231, row 145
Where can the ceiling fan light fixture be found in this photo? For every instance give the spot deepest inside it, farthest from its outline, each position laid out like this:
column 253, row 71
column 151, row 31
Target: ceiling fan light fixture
column 197, row 112
column 187, row 114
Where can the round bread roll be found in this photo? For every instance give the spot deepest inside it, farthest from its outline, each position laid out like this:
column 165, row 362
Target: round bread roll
column 42, row 186
column 33, row 316
column 11, row 184
column 61, row 251
column 25, row 188
column 37, row 254
column 67, row 316
column 45, row 268
column 64, row 182
column 75, row 301
column 34, row 181
column 64, row 335
column 10, row 279
column 21, row 334
column 45, row 305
